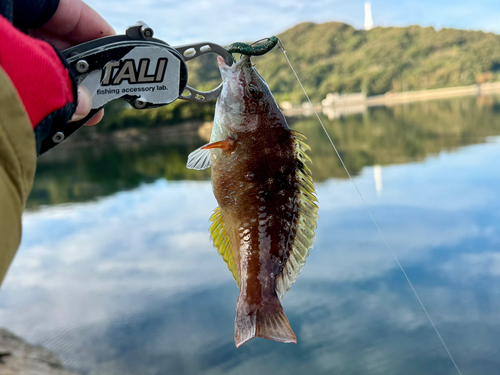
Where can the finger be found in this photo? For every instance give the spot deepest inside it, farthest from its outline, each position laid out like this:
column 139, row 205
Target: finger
column 84, row 105
column 77, row 22
column 94, row 120
column 57, row 41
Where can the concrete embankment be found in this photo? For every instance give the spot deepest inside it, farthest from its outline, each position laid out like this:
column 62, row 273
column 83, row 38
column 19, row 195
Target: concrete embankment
column 17, row 357
column 447, row 92
column 342, row 108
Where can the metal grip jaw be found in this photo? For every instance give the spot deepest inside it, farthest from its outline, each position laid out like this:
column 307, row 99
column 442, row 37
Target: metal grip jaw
column 135, row 67
column 192, row 51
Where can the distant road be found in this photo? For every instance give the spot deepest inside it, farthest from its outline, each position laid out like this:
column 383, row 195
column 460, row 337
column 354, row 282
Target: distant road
column 388, row 99
column 447, row 92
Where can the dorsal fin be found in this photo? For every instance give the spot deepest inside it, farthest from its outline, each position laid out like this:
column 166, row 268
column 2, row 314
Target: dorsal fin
column 221, row 242
column 305, row 221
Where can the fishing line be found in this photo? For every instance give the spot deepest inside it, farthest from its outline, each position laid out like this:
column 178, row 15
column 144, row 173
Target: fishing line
column 282, row 47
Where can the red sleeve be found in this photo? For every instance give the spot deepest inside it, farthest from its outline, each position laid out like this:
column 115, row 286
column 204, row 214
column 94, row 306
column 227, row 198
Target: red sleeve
column 35, row 69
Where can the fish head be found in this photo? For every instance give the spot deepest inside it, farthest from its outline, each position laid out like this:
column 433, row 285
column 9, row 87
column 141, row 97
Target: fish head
column 245, row 96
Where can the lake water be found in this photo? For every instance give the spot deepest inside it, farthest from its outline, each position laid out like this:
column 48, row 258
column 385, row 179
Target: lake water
column 116, row 272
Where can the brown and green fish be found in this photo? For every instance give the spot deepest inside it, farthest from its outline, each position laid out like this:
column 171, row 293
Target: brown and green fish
column 264, row 225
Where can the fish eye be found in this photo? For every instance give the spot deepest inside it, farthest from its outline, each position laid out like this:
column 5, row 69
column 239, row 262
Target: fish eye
column 253, row 91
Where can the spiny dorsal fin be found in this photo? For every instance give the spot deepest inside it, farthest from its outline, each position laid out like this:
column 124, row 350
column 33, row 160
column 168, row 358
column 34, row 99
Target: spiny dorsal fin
column 305, row 221
column 221, row 242
column 199, row 159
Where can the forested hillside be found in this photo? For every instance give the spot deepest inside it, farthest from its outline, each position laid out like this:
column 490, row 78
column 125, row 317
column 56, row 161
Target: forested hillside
column 334, row 57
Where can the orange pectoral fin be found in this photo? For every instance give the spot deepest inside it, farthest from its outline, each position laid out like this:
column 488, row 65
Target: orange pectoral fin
column 226, row 145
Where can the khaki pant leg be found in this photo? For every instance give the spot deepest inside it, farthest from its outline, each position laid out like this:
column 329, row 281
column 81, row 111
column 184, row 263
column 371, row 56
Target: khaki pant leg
column 17, row 169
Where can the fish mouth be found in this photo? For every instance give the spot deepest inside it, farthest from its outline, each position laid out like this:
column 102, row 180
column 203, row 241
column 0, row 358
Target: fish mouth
column 222, row 63
column 245, row 59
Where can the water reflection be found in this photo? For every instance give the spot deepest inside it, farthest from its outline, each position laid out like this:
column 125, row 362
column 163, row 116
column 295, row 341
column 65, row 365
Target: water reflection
column 130, row 284
column 86, row 173
column 380, row 136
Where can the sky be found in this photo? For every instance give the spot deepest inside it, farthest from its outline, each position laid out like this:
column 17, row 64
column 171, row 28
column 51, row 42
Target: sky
column 227, row 21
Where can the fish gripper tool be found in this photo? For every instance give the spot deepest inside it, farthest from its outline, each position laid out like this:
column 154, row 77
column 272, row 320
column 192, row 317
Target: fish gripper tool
column 135, row 67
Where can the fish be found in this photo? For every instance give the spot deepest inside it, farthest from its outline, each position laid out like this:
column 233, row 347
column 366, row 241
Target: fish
column 265, row 223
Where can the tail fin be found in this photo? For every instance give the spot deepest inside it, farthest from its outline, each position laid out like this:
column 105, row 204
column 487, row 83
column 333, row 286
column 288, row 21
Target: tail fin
column 270, row 322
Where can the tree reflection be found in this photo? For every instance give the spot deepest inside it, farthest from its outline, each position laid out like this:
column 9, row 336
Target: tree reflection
column 381, row 135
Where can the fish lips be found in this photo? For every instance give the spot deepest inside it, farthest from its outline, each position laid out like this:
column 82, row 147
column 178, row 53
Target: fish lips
column 245, row 59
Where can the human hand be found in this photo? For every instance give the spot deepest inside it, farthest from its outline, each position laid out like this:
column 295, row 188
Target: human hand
column 83, row 108
column 74, row 22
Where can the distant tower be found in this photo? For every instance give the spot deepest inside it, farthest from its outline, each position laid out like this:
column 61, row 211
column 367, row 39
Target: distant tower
column 368, row 16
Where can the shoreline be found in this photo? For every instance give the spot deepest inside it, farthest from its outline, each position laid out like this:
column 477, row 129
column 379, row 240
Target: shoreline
column 392, row 98
column 192, row 132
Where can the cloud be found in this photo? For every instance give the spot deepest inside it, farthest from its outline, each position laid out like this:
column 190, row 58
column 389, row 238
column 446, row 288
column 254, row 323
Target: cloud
column 75, row 255
column 473, row 267
column 154, row 240
column 136, row 273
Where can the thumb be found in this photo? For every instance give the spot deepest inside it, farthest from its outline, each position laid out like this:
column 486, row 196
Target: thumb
column 84, row 104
